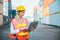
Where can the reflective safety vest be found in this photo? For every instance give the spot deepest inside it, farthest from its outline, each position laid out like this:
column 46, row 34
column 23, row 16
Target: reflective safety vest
column 22, row 33
column 22, row 25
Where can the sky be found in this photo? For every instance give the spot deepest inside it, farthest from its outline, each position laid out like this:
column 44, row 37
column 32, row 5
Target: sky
column 29, row 5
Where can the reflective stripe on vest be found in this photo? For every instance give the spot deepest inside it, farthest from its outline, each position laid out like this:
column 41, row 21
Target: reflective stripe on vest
column 18, row 25
column 22, row 33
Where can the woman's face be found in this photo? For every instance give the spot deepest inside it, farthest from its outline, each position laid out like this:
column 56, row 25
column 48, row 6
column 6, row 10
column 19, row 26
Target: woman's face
column 21, row 13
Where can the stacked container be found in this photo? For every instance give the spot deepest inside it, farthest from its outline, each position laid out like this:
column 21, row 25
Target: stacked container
column 6, row 10
column 1, row 12
column 55, row 13
column 51, row 12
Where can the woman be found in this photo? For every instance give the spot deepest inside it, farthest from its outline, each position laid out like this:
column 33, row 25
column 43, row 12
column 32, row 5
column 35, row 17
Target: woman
column 19, row 25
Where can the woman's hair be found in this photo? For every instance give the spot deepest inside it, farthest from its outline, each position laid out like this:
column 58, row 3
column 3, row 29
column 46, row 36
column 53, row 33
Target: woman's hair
column 20, row 11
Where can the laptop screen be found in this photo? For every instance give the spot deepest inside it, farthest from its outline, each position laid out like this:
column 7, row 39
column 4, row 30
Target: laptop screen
column 33, row 25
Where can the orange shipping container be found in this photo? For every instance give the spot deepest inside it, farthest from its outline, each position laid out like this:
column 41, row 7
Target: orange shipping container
column 46, row 11
column 47, row 3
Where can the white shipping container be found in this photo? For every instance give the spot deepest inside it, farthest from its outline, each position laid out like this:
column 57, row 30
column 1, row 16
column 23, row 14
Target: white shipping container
column 5, row 8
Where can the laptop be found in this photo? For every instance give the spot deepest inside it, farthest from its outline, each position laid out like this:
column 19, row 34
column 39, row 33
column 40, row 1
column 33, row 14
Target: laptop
column 32, row 26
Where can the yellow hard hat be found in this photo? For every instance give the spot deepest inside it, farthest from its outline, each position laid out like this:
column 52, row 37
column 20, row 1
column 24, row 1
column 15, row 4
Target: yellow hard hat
column 20, row 8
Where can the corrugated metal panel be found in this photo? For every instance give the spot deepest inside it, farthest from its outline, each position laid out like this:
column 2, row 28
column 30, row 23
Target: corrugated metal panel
column 54, row 19
column 1, row 12
column 1, row 8
column 6, row 20
column 45, row 20
column 46, row 11
column 47, row 3
column 54, row 11
column 7, row 11
column 13, row 13
column 9, row 6
column 5, row 8
column 1, row 19
column 54, row 7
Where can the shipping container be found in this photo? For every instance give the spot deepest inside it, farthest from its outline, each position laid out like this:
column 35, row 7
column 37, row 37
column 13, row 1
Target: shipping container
column 7, row 7
column 1, row 12
column 6, row 20
column 13, row 13
column 1, row 8
column 9, row 10
column 1, row 19
column 55, row 13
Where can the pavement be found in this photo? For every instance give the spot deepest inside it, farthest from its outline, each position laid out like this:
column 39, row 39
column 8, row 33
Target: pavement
column 42, row 32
